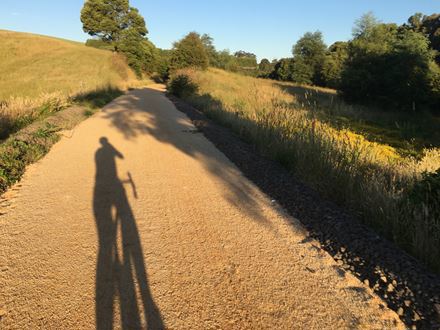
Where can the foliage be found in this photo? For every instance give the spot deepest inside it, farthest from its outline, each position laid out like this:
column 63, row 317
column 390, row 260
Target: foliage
column 208, row 43
column 115, row 23
column 245, row 59
column 107, row 20
column 365, row 25
column 163, row 61
column 283, row 70
column 100, row 44
column 430, row 27
column 226, row 61
column 423, row 205
column 181, row 85
column 265, row 67
column 141, row 54
column 334, row 63
column 302, row 72
column 189, row 52
column 309, row 55
column 388, row 66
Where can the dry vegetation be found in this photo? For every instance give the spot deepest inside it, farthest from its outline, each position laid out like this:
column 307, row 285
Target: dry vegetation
column 41, row 75
column 386, row 188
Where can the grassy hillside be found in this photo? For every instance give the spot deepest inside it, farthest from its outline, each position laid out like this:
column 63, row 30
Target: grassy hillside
column 32, row 64
column 385, row 187
column 40, row 74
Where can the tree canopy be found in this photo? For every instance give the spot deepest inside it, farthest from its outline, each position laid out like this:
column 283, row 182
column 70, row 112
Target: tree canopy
column 108, row 19
column 309, row 55
column 190, row 52
column 117, row 24
column 388, row 66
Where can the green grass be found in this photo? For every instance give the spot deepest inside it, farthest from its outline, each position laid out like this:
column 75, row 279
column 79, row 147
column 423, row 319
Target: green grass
column 42, row 75
column 298, row 126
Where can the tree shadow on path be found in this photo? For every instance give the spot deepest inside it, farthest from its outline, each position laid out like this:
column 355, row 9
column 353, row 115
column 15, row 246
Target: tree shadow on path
column 121, row 273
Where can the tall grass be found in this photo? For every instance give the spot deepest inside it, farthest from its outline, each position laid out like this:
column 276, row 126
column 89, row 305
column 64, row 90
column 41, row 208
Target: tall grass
column 373, row 180
column 408, row 133
column 41, row 75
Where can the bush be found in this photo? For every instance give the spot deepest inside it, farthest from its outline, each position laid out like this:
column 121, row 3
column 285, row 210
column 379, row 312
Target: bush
column 182, row 86
column 423, row 206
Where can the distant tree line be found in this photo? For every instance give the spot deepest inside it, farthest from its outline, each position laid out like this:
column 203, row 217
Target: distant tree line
column 385, row 65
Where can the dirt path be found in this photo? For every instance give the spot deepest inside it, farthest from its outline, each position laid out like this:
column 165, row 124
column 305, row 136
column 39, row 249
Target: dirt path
column 137, row 221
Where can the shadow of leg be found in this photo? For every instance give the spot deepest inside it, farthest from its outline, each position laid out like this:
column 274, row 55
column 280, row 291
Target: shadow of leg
column 135, row 270
column 119, row 272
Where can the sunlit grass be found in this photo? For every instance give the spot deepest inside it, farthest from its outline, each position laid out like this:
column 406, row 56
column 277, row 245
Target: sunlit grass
column 409, row 133
column 371, row 179
column 41, row 74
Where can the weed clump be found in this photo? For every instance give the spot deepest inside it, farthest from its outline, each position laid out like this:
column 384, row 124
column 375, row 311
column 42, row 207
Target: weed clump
column 181, row 85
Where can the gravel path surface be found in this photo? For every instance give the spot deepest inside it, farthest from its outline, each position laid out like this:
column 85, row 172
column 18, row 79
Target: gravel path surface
column 137, row 221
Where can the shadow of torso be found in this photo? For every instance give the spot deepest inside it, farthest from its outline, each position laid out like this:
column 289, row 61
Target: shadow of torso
column 120, row 267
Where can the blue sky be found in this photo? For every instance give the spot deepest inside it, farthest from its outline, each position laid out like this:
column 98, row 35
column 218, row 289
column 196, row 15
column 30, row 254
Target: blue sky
column 266, row 28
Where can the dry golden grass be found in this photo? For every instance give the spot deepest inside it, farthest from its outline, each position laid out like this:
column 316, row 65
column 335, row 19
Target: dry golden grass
column 372, row 179
column 39, row 72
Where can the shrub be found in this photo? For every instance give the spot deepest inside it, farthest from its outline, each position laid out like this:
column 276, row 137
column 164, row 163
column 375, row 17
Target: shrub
column 423, row 209
column 182, row 86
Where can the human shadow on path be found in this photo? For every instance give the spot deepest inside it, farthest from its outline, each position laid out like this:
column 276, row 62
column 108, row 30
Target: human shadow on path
column 121, row 274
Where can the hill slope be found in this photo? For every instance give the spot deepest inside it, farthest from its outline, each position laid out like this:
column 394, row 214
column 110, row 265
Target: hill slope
column 31, row 65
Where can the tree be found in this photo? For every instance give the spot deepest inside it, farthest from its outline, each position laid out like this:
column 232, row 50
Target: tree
column 309, row 55
column 265, row 66
column 333, row 65
column 208, row 43
column 242, row 53
column 226, row 61
column 364, row 25
column 415, row 22
column 189, row 52
column 283, row 70
column 390, row 67
column 108, row 19
column 141, row 54
column 429, row 26
column 246, row 60
column 121, row 27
